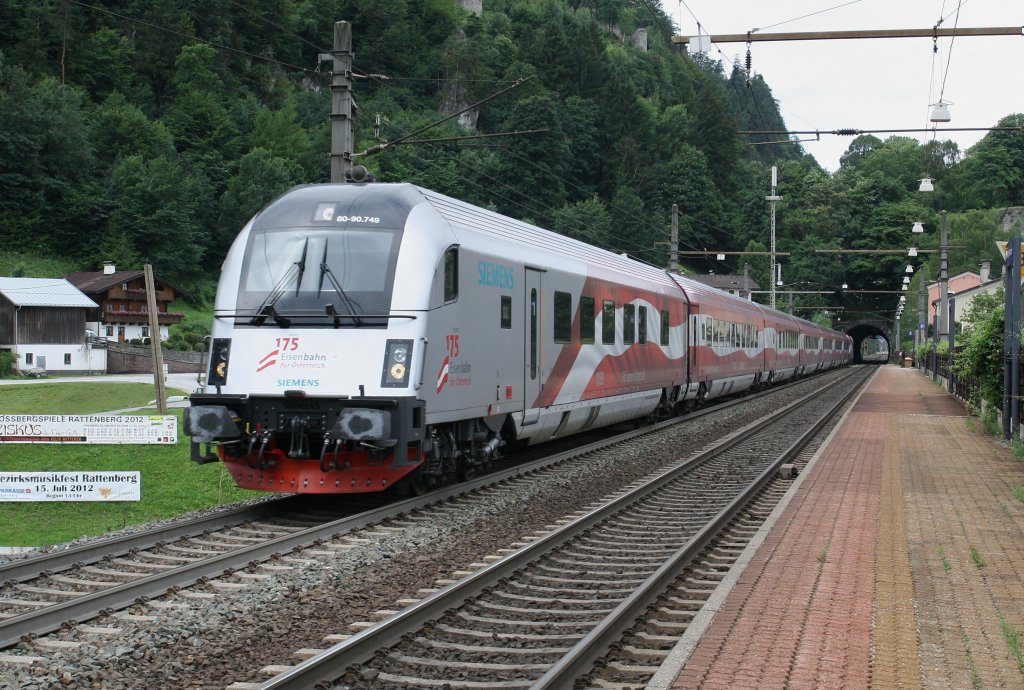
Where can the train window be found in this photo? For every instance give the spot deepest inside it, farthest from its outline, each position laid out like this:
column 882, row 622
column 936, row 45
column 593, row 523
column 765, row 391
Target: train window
column 563, row 317
column 451, row 275
column 506, row 311
column 628, row 323
column 586, row 319
column 642, row 325
column 608, row 322
column 664, row 327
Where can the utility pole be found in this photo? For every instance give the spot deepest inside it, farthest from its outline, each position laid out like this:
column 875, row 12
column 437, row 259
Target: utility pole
column 154, row 340
column 1011, row 339
column 343, row 107
column 944, row 324
column 920, row 335
column 773, row 198
column 673, row 261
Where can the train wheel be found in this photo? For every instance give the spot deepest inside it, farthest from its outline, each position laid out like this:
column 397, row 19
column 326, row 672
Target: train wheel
column 465, row 472
column 413, row 484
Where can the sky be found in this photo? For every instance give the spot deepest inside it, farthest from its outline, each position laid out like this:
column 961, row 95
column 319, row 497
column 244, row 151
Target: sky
column 872, row 83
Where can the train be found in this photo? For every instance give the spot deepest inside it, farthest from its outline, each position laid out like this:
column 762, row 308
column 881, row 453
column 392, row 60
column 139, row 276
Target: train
column 374, row 335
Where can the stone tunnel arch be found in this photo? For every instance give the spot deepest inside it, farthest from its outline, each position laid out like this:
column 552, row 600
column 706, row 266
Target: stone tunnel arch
column 862, row 330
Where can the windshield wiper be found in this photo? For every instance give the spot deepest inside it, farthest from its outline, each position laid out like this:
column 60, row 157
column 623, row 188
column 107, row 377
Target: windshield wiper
column 266, row 308
column 350, row 303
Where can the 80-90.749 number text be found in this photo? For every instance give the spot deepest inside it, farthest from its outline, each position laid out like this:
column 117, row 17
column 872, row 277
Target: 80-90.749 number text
column 357, row 219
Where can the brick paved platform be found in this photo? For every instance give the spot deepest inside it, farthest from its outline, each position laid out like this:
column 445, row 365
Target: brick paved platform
column 897, row 562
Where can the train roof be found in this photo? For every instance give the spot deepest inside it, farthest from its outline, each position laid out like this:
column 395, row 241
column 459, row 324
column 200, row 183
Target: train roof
column 553, row 245
column 396, row 201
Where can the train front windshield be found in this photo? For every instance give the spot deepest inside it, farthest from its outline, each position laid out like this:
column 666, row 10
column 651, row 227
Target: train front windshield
column 326, row 276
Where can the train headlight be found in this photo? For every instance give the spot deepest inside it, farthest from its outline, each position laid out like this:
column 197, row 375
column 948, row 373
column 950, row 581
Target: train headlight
column 396, row 364
column 220, row 353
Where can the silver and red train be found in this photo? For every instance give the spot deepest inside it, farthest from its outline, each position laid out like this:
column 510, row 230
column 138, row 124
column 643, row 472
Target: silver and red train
column 371, row 334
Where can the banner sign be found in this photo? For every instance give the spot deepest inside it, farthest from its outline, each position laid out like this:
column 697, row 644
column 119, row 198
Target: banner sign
column 69, row 428
column 70, row 486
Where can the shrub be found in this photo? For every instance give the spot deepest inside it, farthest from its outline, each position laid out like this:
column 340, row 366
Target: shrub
column 8, row 360
column 982, row 354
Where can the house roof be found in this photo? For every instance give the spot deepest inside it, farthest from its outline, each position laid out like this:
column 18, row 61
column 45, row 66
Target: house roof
column 94, row 282
column 724, row 281
column 43, row 292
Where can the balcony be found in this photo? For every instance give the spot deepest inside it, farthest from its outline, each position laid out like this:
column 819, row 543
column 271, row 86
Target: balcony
column 140, row 316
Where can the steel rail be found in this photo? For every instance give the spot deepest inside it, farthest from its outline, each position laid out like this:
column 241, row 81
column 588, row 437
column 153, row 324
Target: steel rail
column 94, row 604
column 598, row 641
column 44, row 620
column 31, row 567
column 330, row 664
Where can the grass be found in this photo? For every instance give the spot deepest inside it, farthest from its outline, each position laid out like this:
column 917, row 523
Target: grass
column 1012, row 638
column 76, row 398
column 978, row 559
column 171, row 483
column 25, row 265
column 1018, row 492
column 975, row 676
column 945, row 563
column 193, row 314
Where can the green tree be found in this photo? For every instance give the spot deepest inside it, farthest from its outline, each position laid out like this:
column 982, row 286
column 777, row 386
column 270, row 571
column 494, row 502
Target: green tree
column 155, row 205
column 992, row 173
column 279, row 132
column 261, row 176
column 44, row 154
column 118, row 129
column 586, row 220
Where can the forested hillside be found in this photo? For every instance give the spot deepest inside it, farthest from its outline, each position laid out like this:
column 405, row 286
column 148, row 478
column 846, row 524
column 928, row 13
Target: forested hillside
column 152, row 130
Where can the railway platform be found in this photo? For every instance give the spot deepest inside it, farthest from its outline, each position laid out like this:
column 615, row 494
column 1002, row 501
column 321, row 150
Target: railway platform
column 896, row 561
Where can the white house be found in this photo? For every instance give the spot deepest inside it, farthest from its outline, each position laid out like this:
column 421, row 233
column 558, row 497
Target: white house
column 42, row 321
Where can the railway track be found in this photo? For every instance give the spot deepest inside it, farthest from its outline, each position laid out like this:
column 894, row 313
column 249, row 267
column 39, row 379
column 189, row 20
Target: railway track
column 253, row 547
column 542, row 615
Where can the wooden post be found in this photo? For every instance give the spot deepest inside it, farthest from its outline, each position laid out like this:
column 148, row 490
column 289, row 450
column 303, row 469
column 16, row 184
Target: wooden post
column 154, row 340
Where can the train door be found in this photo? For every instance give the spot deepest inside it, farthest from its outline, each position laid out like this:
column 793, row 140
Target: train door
column 534, row 346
